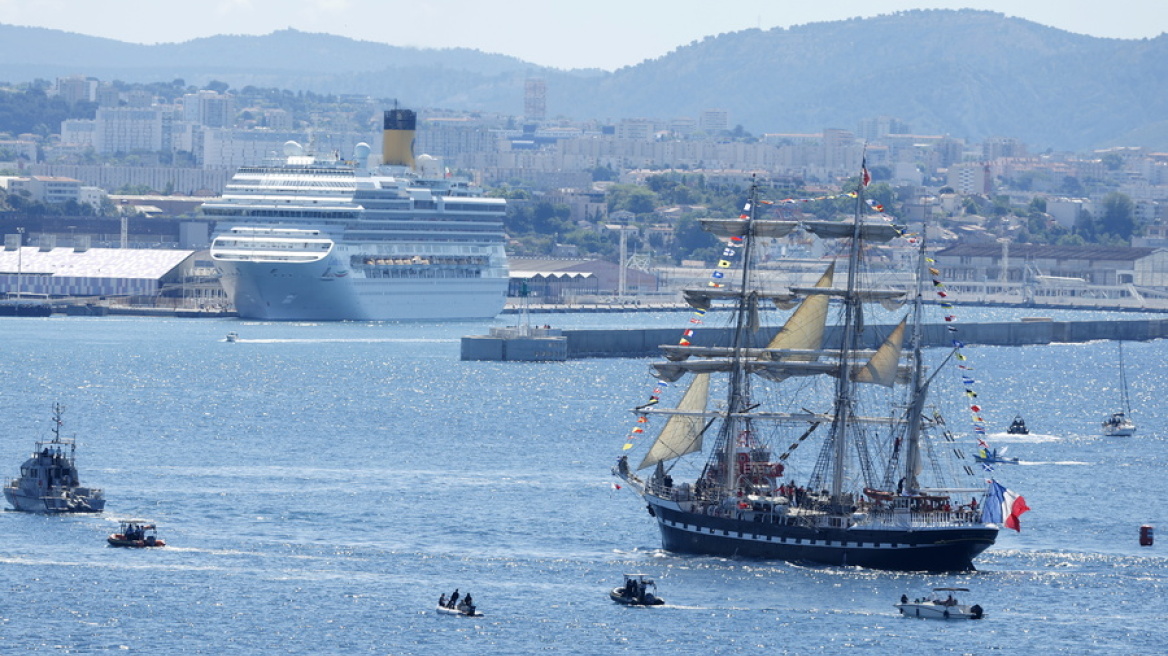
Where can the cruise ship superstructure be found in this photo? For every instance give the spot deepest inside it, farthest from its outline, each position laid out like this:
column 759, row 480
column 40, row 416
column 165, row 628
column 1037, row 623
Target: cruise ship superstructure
column 325, row 239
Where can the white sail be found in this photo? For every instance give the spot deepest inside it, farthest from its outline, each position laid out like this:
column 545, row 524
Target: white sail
column 804, row 329
column 883, row 367
column 682, row 434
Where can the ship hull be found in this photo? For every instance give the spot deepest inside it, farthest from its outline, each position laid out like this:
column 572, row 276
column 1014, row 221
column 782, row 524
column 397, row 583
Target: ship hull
column 932, row 549
column 52, row 504
column 320, row 292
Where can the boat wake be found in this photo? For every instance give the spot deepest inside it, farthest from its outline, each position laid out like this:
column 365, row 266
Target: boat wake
column 1032, row 438
column 708, row 608
column 362, row 340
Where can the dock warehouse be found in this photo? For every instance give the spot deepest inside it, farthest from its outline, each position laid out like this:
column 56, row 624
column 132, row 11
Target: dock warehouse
column 69, row 271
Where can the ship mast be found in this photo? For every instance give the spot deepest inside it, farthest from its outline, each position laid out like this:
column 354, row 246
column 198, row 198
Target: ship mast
column 919, row 385
column 739, row 389
column 852, row 327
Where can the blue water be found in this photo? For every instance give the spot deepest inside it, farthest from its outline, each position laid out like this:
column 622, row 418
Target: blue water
column 321, row 484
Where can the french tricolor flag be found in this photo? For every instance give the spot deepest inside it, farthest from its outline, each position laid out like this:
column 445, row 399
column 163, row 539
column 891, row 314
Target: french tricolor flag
column 1003, row 506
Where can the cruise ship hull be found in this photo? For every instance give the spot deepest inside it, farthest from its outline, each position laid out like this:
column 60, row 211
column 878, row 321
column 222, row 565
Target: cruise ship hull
column 320, row 292
column 931, row 549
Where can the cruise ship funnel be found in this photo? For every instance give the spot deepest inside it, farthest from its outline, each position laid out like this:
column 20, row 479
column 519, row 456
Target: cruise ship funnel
column 397, row 137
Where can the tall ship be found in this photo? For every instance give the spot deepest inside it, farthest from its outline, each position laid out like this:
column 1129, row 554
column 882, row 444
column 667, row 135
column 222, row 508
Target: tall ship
column 321, row 238
column 822, row 446
column 48, row 481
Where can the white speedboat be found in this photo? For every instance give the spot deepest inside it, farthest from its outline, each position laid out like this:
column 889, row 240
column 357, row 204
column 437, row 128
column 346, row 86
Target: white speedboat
column 48, row 480
column 232, row 337
column 941, row 604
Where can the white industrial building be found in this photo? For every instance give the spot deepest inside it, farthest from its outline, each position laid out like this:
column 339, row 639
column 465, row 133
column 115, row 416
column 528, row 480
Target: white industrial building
column 46, row 272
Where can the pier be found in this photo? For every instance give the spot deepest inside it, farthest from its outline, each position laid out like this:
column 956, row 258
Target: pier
column 645, row 342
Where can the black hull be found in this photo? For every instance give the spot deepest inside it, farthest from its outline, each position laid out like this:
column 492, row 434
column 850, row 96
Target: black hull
column 943, row 549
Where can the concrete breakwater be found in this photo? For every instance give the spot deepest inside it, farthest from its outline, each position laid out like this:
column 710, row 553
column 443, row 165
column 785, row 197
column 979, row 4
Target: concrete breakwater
column 644, row 343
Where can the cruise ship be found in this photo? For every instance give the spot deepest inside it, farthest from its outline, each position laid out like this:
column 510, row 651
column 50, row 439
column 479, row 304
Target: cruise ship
column 389, row 238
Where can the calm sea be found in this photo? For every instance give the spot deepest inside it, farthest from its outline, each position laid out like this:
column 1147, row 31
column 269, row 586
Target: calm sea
column 321, row 484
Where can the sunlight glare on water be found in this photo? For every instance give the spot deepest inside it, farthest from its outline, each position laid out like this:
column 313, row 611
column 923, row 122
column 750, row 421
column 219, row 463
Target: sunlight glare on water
column 322, row 484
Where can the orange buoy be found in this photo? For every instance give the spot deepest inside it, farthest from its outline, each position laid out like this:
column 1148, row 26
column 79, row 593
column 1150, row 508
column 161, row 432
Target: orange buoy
column 1147, row 535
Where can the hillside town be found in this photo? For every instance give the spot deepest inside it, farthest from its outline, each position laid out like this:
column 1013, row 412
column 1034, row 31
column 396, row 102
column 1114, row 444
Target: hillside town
column 599, row 209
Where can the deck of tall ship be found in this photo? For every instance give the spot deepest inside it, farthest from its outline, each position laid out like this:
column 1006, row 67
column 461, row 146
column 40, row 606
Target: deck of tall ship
column 883, row 489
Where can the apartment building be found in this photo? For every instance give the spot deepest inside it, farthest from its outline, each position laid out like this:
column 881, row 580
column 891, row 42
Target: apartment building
column 46, row 189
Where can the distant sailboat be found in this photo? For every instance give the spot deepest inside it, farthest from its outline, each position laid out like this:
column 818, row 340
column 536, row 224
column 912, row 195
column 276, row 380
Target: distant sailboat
column 1120, row 424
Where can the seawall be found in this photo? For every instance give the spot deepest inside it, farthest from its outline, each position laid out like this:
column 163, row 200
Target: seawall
column 644, row 343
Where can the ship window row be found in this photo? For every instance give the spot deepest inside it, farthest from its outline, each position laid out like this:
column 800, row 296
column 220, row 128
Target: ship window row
column 261, row 170
column 396, row 224
column 368, row 203
column 288, row 213
column 476, row 207
column 417, row 260
column 334, row 183
column 423, row 272
column 461, row 207
column 250, row 244
column 430, row 226
column 247, row 256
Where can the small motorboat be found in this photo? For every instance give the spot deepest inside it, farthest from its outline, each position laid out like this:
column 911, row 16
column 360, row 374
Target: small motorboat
column 1018, row 426
column 232, row 337
column 636, row 592
column 460, row 609
column 136, row 534
column 455, row 606
column 993, row 457
column 941, row 604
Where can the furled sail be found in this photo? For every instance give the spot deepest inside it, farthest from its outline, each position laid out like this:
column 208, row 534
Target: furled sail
column 781, row 369
column 865, row 295
column 739, row 227
column 869, row 232
column 889, row 299
column 703, row 299
column 682, row 434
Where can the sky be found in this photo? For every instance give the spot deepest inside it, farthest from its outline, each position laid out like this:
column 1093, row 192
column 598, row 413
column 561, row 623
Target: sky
column 606, row 34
